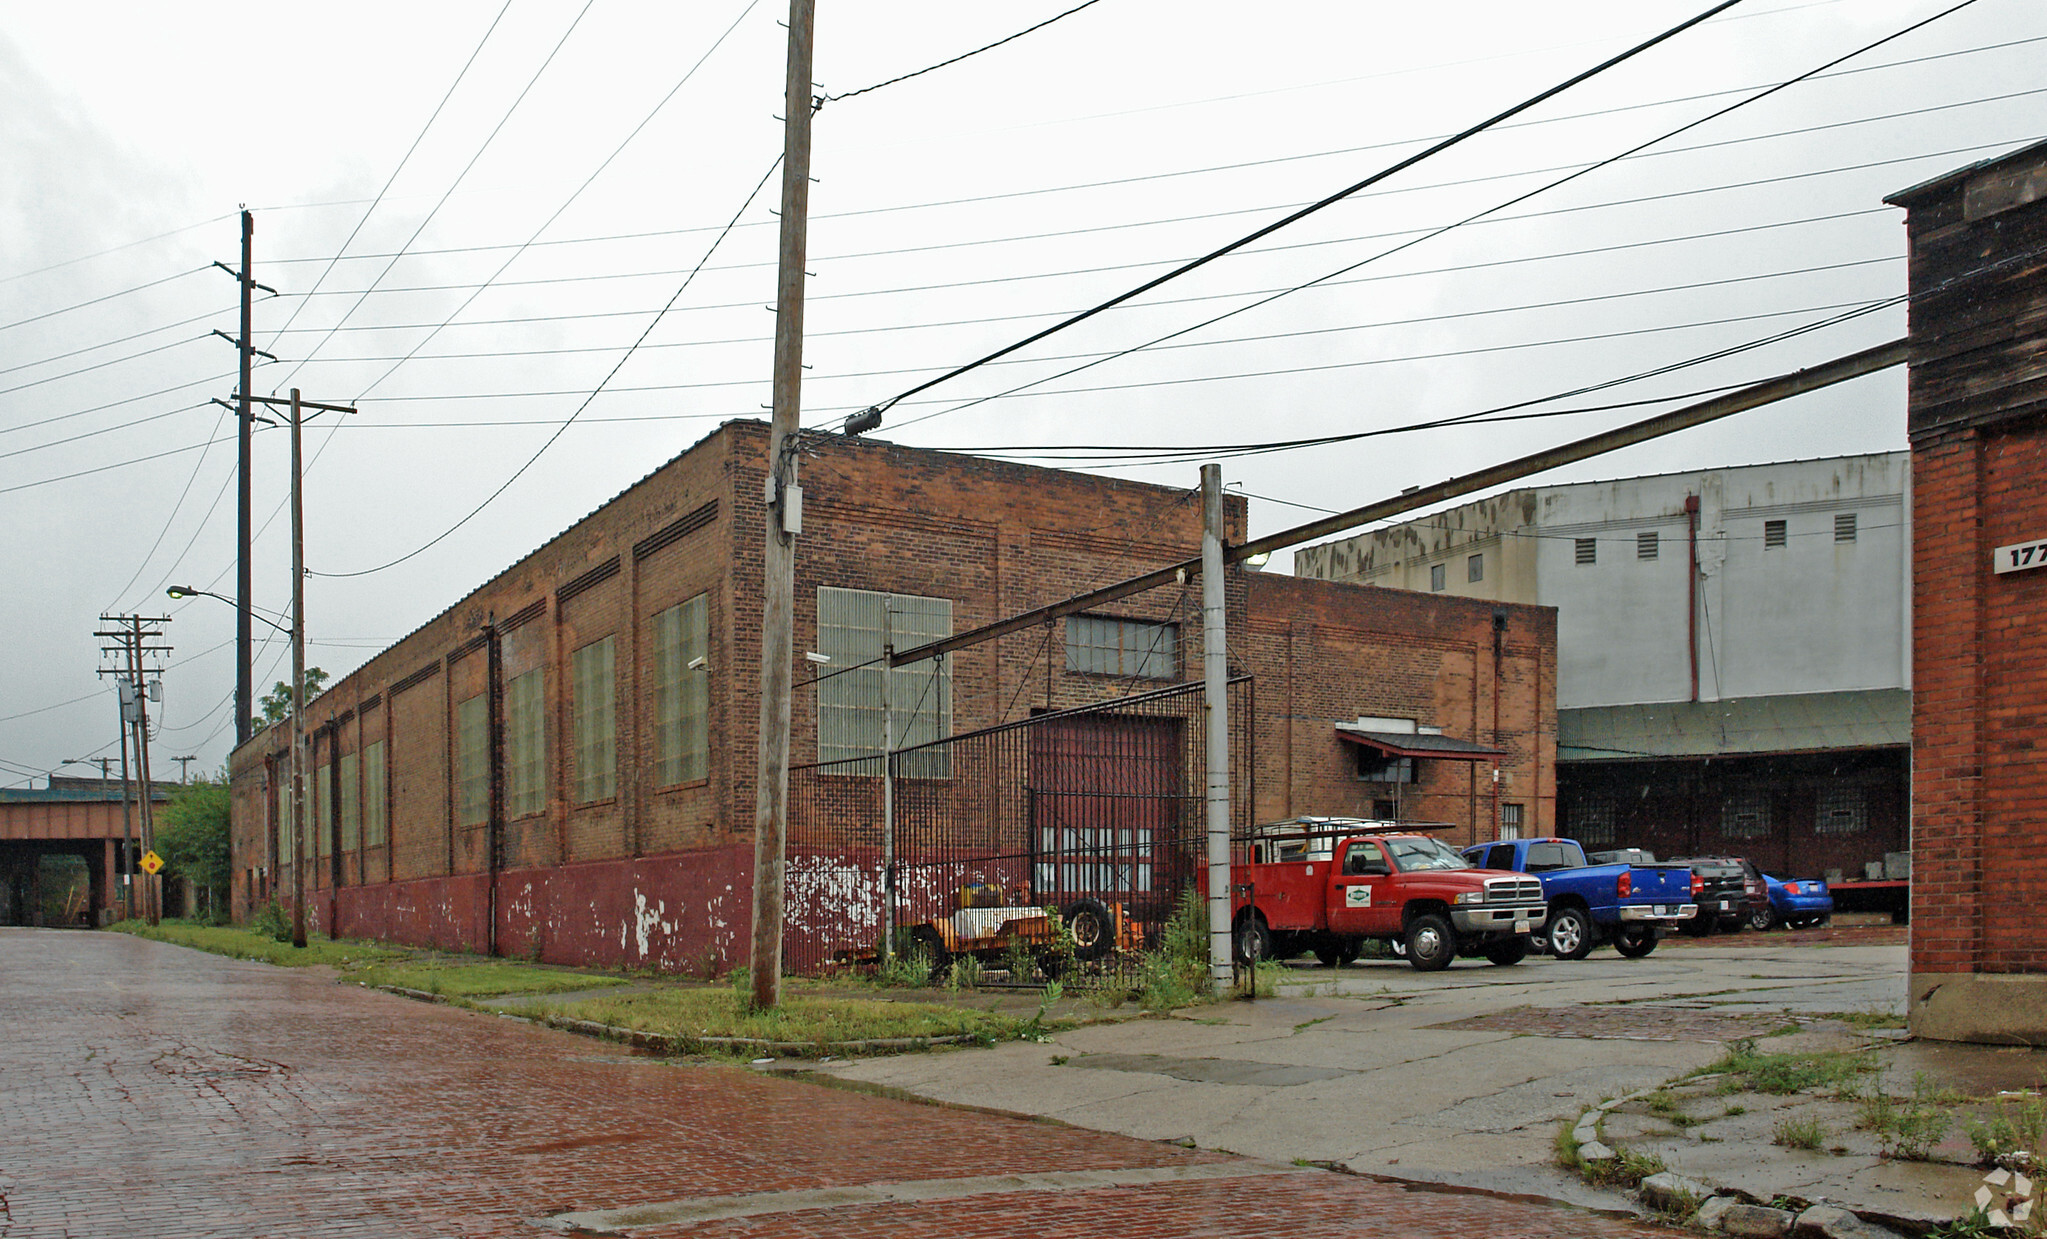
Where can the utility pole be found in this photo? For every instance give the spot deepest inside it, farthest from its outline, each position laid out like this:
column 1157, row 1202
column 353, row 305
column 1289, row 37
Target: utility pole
column 245, row 345
column 784, row 522
column 298, row 406
column 135, row 661
column 1216, row 710
column 184, row 769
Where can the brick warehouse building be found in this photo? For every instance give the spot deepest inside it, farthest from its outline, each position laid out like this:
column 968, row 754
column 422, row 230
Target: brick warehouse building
column 562, row 763
column 1977, row 419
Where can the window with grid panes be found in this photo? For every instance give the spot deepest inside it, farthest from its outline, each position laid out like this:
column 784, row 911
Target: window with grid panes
column 1745, row 813
column 854, row 685
column 1100, row 645
column 682, row 697
column 472, row 762
column 1842, row 808
column 1592, row 821
column 323, row 818
column 351, row 803
column 525, row 744
column 594, row 670
column 373, row 794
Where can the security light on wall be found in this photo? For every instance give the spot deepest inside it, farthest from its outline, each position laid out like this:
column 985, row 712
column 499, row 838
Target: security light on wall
column 699, row 663
column 815, row 657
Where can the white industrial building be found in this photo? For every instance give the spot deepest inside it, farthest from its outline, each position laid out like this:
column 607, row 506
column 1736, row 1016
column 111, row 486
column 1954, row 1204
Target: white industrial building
column 1733, row 648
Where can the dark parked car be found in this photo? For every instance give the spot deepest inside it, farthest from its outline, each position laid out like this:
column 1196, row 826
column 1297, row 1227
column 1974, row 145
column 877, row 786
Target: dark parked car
column 1796, row 902
column 1732, row 894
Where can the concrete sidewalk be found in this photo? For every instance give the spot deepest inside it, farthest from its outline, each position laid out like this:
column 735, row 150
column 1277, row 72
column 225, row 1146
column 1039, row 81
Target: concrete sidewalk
column 1466, row 1077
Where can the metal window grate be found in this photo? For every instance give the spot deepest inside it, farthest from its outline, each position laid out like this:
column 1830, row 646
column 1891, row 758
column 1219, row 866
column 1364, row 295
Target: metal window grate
column 1745, row 814
column 1842, row 809
column 1100, row 645
column 1774, row 534
column 1585, row 550
column 1647, row 544
column 1844, row 527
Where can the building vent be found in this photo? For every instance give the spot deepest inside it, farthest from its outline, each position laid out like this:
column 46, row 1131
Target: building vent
column 1646, row 545
column 1773, row 534
column 1587, row 550
column 1844, row 527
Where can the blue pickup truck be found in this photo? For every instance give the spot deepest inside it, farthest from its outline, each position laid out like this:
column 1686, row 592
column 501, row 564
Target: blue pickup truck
column 1629, row 905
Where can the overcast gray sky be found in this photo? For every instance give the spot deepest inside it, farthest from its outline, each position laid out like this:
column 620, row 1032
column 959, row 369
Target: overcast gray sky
column 525, row 244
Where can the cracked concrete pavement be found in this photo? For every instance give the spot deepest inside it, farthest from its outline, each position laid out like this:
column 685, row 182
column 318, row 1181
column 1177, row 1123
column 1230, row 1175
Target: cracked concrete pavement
column 1460, row 1077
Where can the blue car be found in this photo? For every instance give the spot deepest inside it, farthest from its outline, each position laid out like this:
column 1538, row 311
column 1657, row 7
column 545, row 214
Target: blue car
column 1794, row 903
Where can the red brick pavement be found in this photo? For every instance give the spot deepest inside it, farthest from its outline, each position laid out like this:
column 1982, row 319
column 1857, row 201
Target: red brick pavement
column 147, row 1090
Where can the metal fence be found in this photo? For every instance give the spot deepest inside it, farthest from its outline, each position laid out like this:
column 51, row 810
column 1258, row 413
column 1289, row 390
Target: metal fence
column 1103, row 803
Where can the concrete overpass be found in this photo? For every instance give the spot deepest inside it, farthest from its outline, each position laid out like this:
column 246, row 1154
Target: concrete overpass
column 74, row 817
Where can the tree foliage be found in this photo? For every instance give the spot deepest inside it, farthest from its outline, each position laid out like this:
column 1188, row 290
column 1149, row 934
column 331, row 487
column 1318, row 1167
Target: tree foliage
column 192, row 834
column 276, row 704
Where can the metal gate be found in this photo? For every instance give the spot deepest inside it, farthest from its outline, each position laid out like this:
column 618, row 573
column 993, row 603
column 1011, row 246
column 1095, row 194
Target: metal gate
column 1101, row 802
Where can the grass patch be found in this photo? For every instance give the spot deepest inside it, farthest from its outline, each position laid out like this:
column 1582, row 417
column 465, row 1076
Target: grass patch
column 1799, row 1134
column 1624, row 1171
column 1750, row 1070
column 1909, row 1127
column 243, row 944
column 691, row 1015
column 2016, row 1125
column 480, row 980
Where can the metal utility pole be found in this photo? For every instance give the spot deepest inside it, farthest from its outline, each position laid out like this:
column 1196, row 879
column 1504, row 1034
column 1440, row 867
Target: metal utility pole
column 888, row 781
column 245, row 345
column 784, row 522
column 1215, row 677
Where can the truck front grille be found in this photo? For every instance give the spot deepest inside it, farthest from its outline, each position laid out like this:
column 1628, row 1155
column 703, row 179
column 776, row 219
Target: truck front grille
column 1513, row 890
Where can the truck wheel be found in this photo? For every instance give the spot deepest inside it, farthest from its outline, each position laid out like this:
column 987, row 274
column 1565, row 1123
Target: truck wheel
column 1253, row 940
column 1507, row 954
column 1329, row 954
column 1431, row 943
column 1570, row 934
column 1092, row 928
column 1760, row 919
column 1699, row 926
column 1349, row 950
column 1635, row 941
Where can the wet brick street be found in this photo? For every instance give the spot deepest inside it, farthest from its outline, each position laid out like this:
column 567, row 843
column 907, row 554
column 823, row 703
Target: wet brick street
column 147, row 1090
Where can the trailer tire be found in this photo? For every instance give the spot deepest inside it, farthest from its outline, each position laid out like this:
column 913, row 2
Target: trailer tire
column 925, row 938
column 1252, row 940
column 1091, row 927
column 1635, row 941
column 1431, row 943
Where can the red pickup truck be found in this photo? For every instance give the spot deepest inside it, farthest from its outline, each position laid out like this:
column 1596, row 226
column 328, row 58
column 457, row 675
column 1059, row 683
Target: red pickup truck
column 1338, row 887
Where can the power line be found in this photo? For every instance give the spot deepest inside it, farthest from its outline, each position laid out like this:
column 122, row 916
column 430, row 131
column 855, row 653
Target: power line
column 1493, row 210
column 402, row 161
column 137, row 335
column 115, row 361
column 112, row 249
column 563, row 428
column 962, row 56
column 37, row 318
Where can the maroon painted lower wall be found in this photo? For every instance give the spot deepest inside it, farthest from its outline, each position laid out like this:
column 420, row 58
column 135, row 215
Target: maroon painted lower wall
column 684, row 912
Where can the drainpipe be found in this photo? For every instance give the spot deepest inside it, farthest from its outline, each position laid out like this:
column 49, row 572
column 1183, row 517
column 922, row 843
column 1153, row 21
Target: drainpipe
column 1692, row 587
column 1499, row 649
column 494, row 744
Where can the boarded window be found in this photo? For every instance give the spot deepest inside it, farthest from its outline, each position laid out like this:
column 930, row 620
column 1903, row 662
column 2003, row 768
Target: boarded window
column 1647, row 544
column 682, row 697
column 857, row 685
column 1774, row 534
column 1745, row 813
column 526, row 744
column 1844, row 527
column 1585, row 550
column 596, row 687
column 1439, row 576
column 1592, row 821
column 351, row 803
column 1099, row 645
column 472, row 762
column 1841, row 809
column 373, row 794
column 1474, row 568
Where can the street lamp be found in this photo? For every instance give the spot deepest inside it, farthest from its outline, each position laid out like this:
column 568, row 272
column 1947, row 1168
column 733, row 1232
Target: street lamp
column 295, row 631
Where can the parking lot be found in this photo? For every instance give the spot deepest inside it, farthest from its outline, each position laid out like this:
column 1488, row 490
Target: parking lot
column 1458, row 1077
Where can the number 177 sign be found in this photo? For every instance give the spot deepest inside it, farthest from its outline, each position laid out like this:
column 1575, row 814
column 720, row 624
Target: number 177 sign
column 2019, row 556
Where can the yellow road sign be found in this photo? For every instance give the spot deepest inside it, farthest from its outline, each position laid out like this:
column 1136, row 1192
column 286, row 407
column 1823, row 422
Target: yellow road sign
column 151, row 862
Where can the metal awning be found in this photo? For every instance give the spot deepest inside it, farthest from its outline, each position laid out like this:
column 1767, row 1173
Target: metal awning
column 1416, row 744
column 1785, row 723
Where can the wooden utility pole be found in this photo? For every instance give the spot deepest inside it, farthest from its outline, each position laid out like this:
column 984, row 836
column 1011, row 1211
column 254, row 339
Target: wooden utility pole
column 784, row 522
column 245, row 644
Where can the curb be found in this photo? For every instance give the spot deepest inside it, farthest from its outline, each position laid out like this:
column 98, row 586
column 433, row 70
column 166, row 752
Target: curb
column 666, row 1044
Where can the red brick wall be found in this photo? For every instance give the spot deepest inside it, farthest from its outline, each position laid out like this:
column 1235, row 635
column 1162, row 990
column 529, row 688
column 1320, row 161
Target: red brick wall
column 993, row 537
